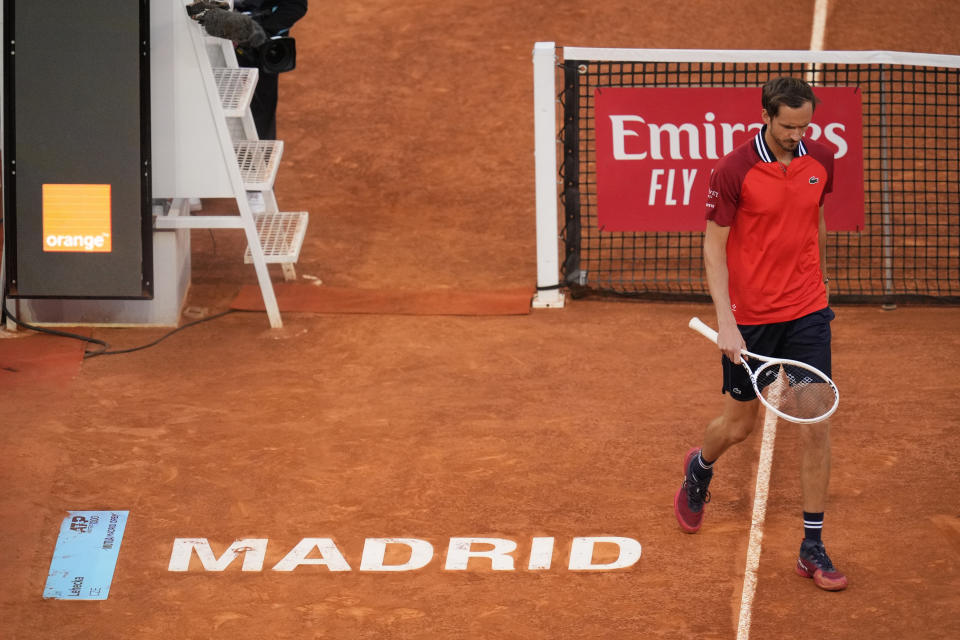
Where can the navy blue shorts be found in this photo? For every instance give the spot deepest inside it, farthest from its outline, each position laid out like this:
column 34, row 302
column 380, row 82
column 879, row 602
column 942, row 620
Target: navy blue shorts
column 806, row 339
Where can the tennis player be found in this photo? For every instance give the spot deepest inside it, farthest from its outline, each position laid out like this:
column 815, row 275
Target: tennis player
column 764, row 250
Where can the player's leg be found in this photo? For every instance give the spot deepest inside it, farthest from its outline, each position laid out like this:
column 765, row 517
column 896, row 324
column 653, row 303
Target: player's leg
column 808, row 340
column 741, row 407
column 815, row 465
column 739, row 417
column 813, row 561
column 732, row 426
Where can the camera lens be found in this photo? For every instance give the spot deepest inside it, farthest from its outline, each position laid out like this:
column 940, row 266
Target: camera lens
column 274, row 54
column 278, row 55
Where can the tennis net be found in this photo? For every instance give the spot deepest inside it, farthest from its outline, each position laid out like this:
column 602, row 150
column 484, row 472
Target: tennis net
column 908, row 245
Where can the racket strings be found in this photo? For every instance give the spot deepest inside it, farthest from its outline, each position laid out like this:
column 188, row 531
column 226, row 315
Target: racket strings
column 796, row 391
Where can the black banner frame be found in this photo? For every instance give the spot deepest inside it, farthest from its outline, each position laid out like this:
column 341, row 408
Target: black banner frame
column 11, row 285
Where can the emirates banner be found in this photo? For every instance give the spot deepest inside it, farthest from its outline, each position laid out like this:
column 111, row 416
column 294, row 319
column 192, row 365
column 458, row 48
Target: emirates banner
column 656, row 148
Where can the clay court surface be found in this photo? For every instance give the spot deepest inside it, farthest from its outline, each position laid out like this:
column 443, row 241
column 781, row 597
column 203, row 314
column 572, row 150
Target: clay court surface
column 410, row 140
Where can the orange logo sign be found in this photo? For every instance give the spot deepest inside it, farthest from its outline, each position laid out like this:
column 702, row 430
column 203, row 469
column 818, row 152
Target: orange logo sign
column 77, row 217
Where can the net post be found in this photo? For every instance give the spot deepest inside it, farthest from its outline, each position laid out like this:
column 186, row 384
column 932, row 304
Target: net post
column 548, row 293
column 573, row 231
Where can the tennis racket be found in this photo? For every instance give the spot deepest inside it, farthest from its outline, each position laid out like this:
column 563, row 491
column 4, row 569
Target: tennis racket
column 793, row 390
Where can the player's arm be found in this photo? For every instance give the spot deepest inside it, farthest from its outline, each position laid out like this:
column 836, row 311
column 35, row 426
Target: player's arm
column 715, row 259
column 822, row 233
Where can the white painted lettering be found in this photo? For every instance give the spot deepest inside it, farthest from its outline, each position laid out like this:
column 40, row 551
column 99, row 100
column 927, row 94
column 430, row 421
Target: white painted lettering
column 655, row 185
column 831, row 134
column 728, row 130
column 461, row 550
column 375, row 551
column 329, row 555
column 670, row 201
column 389, row 555
column 87, row 243
column 673, row 131
column 541, row 554
column 689, row 175
column 710, row 137
column 694, row 134
column 581, row 553
column 619, row 135
column 252, row 549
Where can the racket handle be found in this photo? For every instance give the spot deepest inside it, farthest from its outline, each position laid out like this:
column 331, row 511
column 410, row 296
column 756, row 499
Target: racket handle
column 697, row 325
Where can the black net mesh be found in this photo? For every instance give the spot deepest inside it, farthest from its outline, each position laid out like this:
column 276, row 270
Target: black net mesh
column 910, row 246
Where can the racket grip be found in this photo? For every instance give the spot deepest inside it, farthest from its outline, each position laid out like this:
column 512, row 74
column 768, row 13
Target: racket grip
column 697, row 325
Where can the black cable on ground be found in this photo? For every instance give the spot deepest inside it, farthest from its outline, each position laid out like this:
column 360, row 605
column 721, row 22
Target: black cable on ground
column 54, row 332
column 104, row 347
column 105, row 352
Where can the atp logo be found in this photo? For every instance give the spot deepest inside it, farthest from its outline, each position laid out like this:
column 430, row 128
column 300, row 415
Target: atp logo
column 79, row 524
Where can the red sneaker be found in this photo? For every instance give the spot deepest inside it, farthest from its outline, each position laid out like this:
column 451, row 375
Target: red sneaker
column 690, row 498
column 814, row 562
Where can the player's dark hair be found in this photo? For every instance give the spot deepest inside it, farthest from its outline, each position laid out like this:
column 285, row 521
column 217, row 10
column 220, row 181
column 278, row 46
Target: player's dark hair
column 785, row 90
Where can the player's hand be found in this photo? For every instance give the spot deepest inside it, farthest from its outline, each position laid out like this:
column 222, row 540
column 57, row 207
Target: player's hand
column 731, row 343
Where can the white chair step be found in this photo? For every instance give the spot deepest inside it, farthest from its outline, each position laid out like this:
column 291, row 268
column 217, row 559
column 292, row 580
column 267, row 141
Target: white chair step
column 235, row 86
column 281, row 235
column 259, row 161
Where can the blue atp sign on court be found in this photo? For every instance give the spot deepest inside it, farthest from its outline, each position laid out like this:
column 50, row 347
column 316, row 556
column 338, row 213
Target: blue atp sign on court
column 86, row 555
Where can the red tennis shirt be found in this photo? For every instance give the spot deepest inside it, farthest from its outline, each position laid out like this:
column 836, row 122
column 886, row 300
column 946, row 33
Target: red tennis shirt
column 773, row 253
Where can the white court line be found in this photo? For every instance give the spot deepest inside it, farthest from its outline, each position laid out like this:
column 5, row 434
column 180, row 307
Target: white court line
column 819, row 25
column 816, row 38
column 762, row 490
column 756, row 525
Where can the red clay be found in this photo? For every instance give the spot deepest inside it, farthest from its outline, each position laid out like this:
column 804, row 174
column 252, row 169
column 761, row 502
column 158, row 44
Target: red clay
column 409, row 139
